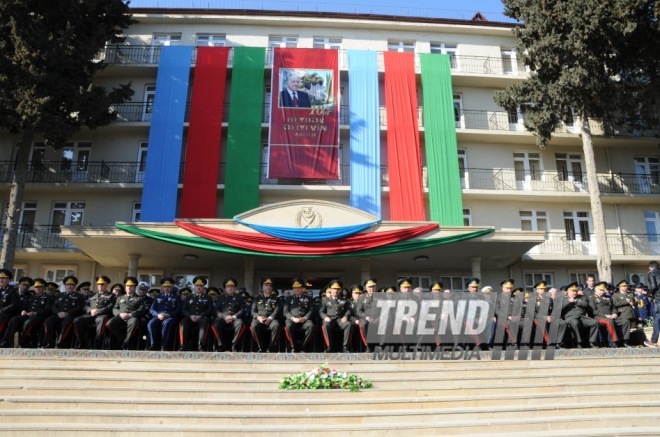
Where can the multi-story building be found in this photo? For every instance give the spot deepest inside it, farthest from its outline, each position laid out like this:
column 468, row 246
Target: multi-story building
column 535, row 200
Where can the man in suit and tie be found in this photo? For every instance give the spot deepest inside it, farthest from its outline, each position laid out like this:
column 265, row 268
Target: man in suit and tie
column 292, row 96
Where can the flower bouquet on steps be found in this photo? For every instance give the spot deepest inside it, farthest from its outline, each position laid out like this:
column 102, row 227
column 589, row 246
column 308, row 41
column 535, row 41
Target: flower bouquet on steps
column 323, row 378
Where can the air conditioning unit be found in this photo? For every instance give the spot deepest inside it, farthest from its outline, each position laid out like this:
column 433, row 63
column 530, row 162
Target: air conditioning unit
column 634, row 278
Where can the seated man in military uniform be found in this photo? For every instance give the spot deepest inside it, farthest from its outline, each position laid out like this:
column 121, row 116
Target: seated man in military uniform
column 265, row 312
column 229, row 316
column 604, row 311
column 335, row 315
column 165, row 310
column 66, row 308
column 98, row 309
column 298, row 315
column 197, row 311
column 129, row 312
column 35, row 310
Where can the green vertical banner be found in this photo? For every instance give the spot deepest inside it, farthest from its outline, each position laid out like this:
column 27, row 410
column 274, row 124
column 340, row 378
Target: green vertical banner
column 444, row 180
column 243, row 163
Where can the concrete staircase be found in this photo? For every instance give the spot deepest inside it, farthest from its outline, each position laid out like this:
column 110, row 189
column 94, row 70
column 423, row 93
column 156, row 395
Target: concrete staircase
column 580, row 393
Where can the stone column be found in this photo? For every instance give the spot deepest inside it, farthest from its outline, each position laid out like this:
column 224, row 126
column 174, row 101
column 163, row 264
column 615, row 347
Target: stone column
column 133, row 259
column 476, row 266
column 365, row 269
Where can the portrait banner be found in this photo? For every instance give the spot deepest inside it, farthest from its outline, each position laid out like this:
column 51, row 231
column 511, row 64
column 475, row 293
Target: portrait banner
column 304, row 114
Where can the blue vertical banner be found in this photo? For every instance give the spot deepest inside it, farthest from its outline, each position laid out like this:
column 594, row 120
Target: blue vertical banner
column 365, row 131
column 161, row 178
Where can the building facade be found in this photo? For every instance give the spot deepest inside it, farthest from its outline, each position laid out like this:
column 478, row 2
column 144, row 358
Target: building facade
column 535, row 200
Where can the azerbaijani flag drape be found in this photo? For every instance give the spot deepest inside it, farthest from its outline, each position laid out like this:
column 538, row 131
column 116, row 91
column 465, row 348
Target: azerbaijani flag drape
column 365, row 131
column 243, row 169
column 203, row 243
column 200, row 177
column 403, row 154
column 444, row 180
column 304, row 116
column 161, row 176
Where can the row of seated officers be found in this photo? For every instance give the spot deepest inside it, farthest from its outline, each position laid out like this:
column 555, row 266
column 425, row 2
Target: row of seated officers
column 116, row 316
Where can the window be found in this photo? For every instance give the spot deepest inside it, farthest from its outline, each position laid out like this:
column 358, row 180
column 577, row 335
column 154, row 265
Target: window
column 20, row 271
column 135, row 213
column 647, row 169
column 327, row 43
column 462, row 165
column 66, row 214
column 527, row 167
column 26, row 216
column 280, row 41
column 141, row 162
column 509, row 61
column 417, row 281
column 151, row 278
column 56, row 273
column 533, row 278
column 534, row 221
column 455, row 283
column 569, row 167
column 652, row 222
column 75, row 159
column 166, row 39
column 211, row 40
column 578, row 225
column 149, row 96
column 38, row 156
column 446, row 49
column 580, row 277
column 467, row 217
column 459, row 116
column 401, row 46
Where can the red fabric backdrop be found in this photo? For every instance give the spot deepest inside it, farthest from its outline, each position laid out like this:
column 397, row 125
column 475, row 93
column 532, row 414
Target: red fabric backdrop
column 200, row 177
column 403, row 154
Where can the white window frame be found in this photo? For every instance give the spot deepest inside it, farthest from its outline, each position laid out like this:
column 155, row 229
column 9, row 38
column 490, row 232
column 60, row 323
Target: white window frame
column 535, row 219
column 74, row 159
column 136, row 211
column 70, row 208
column 325, row 42
column 37, row 154
column 467, row 217
column 19, row 271
column 462, row 168
column 531, row 278
column 283, row 41
column 162, row 40
column 509, row 57
column 447, row 49
column 580, row 276
column 211, row 40
column 459, row 113
column 50, row 272
column 647, row 171
column 577, row 218
column 422, row 280
column 652, row 225
column 149, row 98
column 151, row 277
column 401, row 46
column 448, row 281
column 141, row 163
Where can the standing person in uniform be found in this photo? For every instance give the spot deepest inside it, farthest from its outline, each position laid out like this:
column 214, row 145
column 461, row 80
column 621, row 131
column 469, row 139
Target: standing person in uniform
column 335, row 313
column 97, row 312
column 165, row 311
column 604, row 311
column 298, row 315
column 367, row 311
column 66, row 308
column 265, row 315
column 129, row 312
column 198, row 310
column 575, row 312
column 229, row 316
column 9, row 302
column 35, row 310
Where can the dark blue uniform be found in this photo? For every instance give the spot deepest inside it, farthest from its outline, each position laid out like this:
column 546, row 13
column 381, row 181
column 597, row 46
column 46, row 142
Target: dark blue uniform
column 161, row 331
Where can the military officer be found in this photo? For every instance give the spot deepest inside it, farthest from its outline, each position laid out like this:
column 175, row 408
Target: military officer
column 34, row 311
column 298, row 315
column 541, row 287
column 66, row 308
column 129, row 312
column 24, row 285
column 473, row 285
column 367, row 311
column 576, row 315
column 356, row 294
column 197, row 311
column 265, row 315
column 229, row 316
column 9, row 300
column 624, row 302
column 604, row 311
column 97, row 312
column 165, row 311
column 335, row 314
column 436, row 287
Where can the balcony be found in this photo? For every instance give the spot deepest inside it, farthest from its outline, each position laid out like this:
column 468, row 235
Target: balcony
column 482, row 65
column 560, row 243
column 557, row 181
column 40, row 237
column 91, row 172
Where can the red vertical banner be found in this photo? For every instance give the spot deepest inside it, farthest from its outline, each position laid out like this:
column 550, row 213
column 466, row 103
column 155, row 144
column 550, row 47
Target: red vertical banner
column 200, row 177
column 403, row 154
column 304, row 114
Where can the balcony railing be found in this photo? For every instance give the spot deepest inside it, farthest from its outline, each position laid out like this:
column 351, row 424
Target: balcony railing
column 466, row 119
column 40, row 237
column 548, row 180
column 561, row 243
column 150, row 55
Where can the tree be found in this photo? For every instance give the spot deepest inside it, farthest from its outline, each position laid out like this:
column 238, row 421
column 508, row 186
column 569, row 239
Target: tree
column 588, row 57
column 47, row 66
